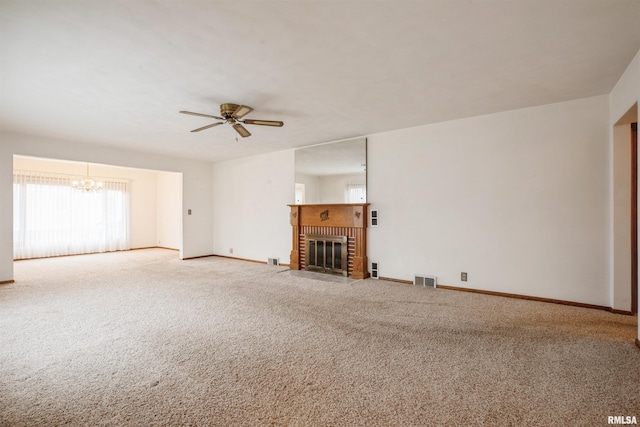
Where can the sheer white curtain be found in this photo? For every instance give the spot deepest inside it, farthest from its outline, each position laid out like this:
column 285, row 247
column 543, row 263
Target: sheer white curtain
column 355, row 193
column 50, row 218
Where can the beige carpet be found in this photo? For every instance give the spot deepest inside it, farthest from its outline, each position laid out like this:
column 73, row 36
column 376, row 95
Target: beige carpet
column 141, row 338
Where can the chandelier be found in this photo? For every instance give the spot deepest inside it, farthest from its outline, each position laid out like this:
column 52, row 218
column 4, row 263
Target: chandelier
column 87, row 183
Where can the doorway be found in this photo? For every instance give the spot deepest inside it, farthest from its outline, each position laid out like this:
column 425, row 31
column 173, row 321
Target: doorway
column 151, row 210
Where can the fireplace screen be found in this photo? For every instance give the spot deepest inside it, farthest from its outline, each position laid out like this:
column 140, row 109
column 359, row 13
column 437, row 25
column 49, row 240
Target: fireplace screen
column 326, row 253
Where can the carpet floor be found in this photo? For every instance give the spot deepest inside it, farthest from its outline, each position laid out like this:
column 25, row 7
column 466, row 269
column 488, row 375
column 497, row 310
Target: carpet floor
column 142, row 338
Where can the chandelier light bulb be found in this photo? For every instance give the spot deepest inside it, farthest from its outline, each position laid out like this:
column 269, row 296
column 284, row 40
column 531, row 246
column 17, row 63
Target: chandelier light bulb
column 87, row 184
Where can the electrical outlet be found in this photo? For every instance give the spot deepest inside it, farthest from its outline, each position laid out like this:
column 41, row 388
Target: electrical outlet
column 463, row 277
column 230, row 250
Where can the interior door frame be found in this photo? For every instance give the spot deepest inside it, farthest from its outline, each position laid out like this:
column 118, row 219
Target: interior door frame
column 634, row 217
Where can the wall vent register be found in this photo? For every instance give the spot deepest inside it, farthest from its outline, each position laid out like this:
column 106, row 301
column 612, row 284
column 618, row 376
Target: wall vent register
column 374, row 270
column 426, row 281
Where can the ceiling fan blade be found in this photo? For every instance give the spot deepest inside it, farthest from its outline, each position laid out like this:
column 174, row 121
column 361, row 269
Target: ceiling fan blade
column 241, row 111
column 207, row 127
column 202, row 115
column 263, row 122
column 241, row 130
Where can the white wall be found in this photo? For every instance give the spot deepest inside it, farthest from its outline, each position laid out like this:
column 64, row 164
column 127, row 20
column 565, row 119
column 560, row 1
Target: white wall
column 197, row 229
column 311, row 187
column 169, row 212
column 6, row 211
column 621, row 265
column 332, row 187
column 251, row 213
column 142, row 191
column 518, row 200
column 626, row 91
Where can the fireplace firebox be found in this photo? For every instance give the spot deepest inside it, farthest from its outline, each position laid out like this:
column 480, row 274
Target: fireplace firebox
column 327, row 254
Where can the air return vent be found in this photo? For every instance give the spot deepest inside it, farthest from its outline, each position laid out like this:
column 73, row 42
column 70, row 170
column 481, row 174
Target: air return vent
column 374, row 270
column 374, row 217
column 273, row 261
column 426, row 281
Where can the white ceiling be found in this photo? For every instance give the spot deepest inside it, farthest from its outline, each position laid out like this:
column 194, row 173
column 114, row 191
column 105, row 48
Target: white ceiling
column 117, row 72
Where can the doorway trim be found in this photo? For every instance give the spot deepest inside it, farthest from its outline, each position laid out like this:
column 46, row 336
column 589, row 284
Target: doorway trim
column 625, row 215
column 634, row 217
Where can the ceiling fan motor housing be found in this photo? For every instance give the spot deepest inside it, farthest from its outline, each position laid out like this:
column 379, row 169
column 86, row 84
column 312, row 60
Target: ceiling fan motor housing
column 227, row 110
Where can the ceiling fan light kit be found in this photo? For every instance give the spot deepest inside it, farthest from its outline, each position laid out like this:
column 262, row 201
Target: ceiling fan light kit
column 233, row 114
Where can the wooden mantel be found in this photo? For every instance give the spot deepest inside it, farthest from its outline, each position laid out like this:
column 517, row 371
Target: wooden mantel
column 332, row 220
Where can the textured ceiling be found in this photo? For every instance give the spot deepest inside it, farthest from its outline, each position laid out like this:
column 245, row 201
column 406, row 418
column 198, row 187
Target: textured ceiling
column 117, row 72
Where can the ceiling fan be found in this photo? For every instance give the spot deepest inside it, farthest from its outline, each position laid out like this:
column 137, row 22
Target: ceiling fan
column 233, row 114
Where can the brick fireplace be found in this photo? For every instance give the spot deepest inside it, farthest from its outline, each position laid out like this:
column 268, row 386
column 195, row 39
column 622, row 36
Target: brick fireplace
column 317, row 226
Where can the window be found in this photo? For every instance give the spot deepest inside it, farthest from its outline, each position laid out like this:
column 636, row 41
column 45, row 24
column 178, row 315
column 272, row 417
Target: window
column 51, row 219
column 299, row 193
column 355, row 193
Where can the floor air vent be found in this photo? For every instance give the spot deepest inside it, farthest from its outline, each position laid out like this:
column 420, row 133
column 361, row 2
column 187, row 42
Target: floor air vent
column 426, row 281
column 273, row 261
